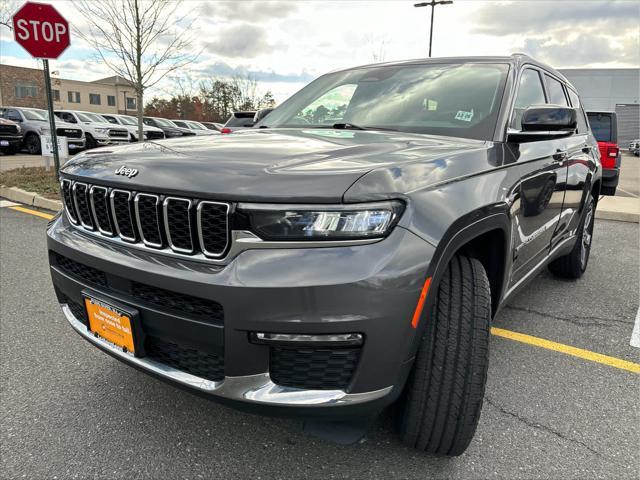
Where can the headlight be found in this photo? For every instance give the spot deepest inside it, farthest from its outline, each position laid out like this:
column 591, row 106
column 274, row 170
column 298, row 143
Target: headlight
column 104, row 131
column 323, row 222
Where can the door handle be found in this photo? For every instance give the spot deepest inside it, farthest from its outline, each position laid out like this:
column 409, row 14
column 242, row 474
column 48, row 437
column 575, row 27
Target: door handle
column 560, row 155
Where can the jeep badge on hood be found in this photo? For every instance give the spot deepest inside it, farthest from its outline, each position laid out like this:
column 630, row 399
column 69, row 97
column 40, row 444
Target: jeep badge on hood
column 126, row 172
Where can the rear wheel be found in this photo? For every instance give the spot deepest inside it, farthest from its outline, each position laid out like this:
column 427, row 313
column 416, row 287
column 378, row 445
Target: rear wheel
column 32, row 144
column 444, row 394
column 574, row 264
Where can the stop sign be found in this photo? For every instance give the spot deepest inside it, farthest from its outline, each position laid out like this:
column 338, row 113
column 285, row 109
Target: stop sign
column 41, row 30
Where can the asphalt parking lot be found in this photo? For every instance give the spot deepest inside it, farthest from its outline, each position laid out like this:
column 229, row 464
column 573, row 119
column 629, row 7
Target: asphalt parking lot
column 69, row 411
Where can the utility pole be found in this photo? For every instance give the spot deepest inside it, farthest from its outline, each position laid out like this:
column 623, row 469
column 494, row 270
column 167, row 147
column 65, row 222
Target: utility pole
column 432, row 4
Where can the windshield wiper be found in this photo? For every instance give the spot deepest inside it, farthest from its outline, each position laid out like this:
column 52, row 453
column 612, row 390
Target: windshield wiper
column 353, row 126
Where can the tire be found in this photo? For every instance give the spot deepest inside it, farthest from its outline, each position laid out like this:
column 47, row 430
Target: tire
column 574, row 264
column 91, row 142
column 32, row 144
column 444, row 393
column 609, row 191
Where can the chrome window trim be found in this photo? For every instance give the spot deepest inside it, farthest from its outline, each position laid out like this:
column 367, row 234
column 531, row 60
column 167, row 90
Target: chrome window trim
column 165, row 205
column 70, row 215
column 139, row 223
column 75, row 202
column 199, row 228
column 115, row 217
column 93, row 208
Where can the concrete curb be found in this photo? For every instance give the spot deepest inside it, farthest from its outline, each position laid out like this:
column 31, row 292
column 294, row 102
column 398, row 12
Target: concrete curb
column 621, row 209
column 32, row 199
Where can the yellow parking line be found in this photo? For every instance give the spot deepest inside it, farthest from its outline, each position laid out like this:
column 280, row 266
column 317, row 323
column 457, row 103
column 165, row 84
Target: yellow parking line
column 567, row 349
column 32, row 212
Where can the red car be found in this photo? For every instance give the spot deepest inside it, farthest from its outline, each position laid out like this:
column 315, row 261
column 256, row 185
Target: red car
column 605, row 128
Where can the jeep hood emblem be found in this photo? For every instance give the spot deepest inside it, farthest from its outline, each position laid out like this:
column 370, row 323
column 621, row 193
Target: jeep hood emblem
column 126, row 172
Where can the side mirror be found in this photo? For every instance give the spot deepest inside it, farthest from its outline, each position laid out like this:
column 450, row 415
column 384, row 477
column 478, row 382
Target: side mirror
column 545, row 122
column 260, row 114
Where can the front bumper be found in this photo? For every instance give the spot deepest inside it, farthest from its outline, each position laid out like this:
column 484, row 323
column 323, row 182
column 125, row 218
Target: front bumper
column 76, row 143
column 368, row 289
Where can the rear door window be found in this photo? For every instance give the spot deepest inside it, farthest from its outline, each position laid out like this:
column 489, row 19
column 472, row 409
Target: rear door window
column 556, row 92
column 575, row 103
column 600, row 126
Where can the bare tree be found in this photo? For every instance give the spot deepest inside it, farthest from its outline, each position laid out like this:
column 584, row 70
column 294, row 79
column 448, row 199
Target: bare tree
column 7, row 9
column 140, row 40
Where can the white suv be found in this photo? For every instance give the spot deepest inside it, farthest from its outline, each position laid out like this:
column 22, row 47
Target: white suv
column 131, row 124
column 97, row 130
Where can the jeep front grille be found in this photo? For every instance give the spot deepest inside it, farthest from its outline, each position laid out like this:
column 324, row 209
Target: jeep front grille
column 176, row 225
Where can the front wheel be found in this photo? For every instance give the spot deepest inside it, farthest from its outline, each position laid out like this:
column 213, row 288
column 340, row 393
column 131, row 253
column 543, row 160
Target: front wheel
column 574, row 264
column 444, row 394
column 32, row 144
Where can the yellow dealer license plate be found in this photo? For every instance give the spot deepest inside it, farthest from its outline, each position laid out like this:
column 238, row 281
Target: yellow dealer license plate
column 110, row 324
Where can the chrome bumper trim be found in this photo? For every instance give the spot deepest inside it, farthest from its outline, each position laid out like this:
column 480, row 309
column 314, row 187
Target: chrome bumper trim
column 250, row 388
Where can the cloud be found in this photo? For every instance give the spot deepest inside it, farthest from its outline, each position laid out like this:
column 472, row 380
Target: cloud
column 244, row 41
column 222, row 69
column 519, row 18
column 249, row 11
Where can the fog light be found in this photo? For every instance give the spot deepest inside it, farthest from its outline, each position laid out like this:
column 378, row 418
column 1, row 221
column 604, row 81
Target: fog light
column 334, row 339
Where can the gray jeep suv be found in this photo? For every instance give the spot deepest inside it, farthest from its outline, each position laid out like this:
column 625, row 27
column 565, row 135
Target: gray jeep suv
column 347, row 253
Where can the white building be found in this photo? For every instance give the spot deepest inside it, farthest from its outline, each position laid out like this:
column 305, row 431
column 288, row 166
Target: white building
column 611, row 89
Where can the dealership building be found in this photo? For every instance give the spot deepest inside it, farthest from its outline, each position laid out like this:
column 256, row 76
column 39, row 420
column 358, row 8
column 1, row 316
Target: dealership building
column 24, row 87
column 614, row 90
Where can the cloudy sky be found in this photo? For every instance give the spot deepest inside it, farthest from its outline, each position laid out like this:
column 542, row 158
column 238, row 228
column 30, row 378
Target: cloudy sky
column 285, row 44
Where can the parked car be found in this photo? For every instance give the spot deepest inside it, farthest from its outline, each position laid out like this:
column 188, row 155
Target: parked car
column 213, row 126
column 131, row 124
column 604, row 126
column 35, row 122
column 195, row 127
column 169, row 128
column 634, row 147
column 348, row 255
column 10, row 137
column 239, row 120
column 97, row 130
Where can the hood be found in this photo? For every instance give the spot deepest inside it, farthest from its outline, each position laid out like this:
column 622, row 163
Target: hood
column 104, row 125
column 279, row 165
column 59, row 124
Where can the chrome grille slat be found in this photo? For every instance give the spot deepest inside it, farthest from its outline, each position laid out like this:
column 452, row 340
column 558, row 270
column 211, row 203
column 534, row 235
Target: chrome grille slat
column 99, row 199
column 149, row 221
column 67, row 198
column 178, row 226
column 81, row 202
column 213, row 234
column 174, row 226
column 122, row 217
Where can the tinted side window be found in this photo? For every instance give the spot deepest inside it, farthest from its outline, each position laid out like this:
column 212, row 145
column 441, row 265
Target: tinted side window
column 530, row 92
column 600, row 126
column 575, row 103
column 556, row 92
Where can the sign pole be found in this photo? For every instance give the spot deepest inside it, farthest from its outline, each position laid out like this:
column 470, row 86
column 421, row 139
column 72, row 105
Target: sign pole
column 52, row 122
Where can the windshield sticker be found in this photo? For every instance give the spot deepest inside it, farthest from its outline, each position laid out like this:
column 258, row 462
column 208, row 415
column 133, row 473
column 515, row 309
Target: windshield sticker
column 464, row 116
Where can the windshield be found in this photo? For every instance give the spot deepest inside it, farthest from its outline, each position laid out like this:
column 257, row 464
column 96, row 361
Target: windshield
column 460, row 100
column 92, row 118
column 83, row 117
column 600, row 126
column 128, row 120
column 163, row 122
column 195, row 126
column 35, row 114
column 179, row 123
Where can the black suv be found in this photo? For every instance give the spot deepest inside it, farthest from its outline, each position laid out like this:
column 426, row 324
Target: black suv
column 348, row 252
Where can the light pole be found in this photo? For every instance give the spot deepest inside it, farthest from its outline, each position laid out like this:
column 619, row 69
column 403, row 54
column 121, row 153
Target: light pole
column 124, row 94
column 432, row 4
